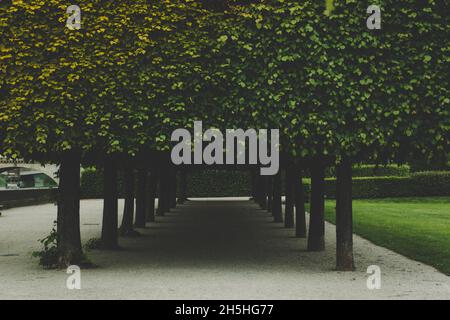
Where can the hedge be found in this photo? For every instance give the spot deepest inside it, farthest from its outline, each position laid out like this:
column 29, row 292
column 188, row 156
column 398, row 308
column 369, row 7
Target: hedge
column 221, row 183
column 422, row 184
column 201, row 183
column 92, row 184
column 371, row 170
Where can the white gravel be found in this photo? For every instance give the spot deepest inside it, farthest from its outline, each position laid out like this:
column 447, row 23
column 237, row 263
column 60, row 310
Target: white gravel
column 218, row 249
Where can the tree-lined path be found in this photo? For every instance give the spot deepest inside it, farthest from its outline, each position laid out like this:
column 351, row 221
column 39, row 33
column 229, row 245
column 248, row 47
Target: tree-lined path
column 111, row 94
column 205, row 249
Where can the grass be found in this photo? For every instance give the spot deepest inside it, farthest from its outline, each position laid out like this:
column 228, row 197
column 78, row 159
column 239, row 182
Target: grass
column 418, row 228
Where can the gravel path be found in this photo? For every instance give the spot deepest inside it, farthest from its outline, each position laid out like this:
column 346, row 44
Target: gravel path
column 217, row 249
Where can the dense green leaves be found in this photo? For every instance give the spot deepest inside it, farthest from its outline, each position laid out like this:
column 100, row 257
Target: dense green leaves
column 139, row 69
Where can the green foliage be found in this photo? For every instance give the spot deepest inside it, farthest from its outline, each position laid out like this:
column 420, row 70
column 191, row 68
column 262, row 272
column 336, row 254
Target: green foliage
column 138, row 69
column 48, row 256
column 370, row 170
column 100, row 89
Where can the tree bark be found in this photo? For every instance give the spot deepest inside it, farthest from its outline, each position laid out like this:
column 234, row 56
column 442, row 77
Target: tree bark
column 253, row 177
column 141, row 195
column 300, row 217
column 68, row 216
column 126, row 228
column 183, row 186
column 344, row 217
column 173, row 187
column 257, row 195
column 269, row 193
column 162, row 196
column 167, row 191
column 110, row 205
column 276, row 201
column 316, row 238
column 151, row 197
column 289, row 193
column 264, row 192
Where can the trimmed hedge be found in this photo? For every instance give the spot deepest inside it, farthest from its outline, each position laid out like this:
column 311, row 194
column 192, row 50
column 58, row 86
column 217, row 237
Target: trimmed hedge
column 221, row 183
column 434, row 183
column 371, row 170
column 92, row 184
column 201, row 183
column 218, row 183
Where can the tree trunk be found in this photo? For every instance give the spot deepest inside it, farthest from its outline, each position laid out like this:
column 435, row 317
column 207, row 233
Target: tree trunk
column 151, row 197
column 162, row 196
column 269, row 193
column 344, row 223
column 126, row 228
column 289, row 193
column 141, row 195
column 264, row 192
column 110, row 205
column 183, row 186
column 68, row 219
column 167, row 191
column 276, row 201
column 257, row 196
column 300, row 217
column 173, row 187
column 254, row 184
column 316, row 238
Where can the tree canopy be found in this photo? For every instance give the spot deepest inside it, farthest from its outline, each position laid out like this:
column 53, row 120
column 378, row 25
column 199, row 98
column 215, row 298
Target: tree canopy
column 137, row 70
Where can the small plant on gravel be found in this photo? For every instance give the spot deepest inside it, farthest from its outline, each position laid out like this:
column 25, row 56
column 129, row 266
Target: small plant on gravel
column 48, row 256
column 94, row 243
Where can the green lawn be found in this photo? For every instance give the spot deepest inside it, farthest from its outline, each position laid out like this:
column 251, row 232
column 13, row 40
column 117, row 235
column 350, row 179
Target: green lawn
column 418, row 228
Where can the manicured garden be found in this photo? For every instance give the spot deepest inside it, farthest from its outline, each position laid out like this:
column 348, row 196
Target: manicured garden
column 418, row 228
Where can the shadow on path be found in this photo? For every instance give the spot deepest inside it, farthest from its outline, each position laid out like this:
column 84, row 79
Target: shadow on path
column 206, row 234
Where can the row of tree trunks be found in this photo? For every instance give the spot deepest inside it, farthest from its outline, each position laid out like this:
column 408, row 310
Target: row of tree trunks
column 68, row 223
